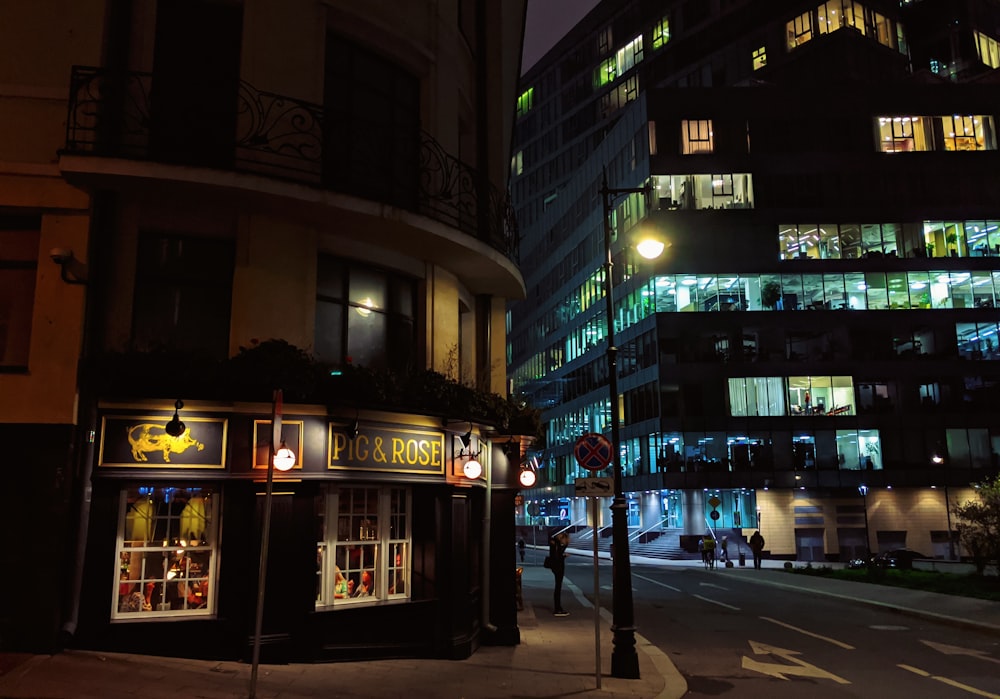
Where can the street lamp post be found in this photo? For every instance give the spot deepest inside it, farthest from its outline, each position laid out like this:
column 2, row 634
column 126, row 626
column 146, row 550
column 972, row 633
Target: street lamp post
column 863, row 491
column 624, row 661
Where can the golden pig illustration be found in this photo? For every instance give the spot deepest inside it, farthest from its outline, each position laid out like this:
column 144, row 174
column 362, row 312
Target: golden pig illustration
column 146, row 441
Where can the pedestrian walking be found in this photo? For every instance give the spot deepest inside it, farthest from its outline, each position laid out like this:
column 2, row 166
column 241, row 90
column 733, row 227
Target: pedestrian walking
column 702, row 551
column 520, row 547
column 724, row 549
column 710, row 551
column 557, row 564
column 757, row 546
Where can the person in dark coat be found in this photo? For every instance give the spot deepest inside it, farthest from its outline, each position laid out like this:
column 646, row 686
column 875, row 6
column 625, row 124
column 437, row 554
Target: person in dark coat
column 557, row 563
column 520, row 547
column 757, row 546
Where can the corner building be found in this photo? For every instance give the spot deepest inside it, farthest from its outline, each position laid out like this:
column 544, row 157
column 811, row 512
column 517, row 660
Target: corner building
column 207, row 200
column 815, row 354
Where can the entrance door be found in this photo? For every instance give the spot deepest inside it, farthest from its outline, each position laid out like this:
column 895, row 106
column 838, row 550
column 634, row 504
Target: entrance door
column 196, row 70
column 809, row 545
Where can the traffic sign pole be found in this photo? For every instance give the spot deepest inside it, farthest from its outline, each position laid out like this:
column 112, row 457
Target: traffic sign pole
column 597, row 594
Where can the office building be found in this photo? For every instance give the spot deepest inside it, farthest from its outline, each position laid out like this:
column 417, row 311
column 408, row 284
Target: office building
column 816, row 353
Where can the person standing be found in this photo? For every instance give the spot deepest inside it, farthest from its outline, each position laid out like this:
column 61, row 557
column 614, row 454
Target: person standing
column 724, row 549
column 710, row 550
column 757, row 546
column 557, row 563
column 520, row 547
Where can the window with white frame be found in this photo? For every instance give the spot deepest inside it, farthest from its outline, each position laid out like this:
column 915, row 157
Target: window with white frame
column 696, row 136
column 166, row 552
column 988, row 49
column 363, row 555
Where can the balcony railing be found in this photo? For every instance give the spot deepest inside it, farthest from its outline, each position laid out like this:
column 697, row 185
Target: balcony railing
column 120, row 114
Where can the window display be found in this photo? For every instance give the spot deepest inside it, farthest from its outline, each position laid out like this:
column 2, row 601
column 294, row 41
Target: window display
column 166, row 553
column 365, row 552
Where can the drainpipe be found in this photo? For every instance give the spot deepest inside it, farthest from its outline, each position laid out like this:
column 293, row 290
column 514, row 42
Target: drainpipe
column 487, row 526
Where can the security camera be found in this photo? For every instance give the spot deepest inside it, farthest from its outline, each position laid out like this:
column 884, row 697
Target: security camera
column 61, row 255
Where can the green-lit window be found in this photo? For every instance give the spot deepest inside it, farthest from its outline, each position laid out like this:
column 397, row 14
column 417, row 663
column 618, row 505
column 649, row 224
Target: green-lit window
column 759, row 58
column 526, row 101
column 661, row 33
column 606, row 72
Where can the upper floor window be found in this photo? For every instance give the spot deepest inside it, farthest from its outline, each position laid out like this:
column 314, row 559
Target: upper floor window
column 759, row 58
column 661, row 33
column 799, row 30
column 923, row 133
column 517, row 163
column 604, row 41
column 526, row 101
column 19, row 239
column 988, row 49
column 606, row 72
column 364, row 553
column 364, row 315
column 630, row 55
column 696, row 136
column 166, row 553
column 183, row 293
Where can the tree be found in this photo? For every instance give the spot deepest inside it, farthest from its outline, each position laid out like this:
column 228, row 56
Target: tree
column 979, row 528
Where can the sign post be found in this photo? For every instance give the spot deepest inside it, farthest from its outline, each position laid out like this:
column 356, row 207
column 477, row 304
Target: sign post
column 597, row 597
column 593, row 452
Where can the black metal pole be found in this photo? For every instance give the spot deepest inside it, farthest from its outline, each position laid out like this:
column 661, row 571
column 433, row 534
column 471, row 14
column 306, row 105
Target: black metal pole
column 624, row 660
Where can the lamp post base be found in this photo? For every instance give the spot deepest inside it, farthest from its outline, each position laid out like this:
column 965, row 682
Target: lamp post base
column 624, row 659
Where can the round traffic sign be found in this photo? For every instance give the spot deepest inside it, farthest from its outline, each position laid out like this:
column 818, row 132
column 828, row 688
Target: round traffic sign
column 593, row 451
column 714, row 514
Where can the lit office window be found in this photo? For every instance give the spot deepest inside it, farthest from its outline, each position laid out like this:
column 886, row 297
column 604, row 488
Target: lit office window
column 696, row 136
column 988, row 49
column 759, row 58
column 661, row 33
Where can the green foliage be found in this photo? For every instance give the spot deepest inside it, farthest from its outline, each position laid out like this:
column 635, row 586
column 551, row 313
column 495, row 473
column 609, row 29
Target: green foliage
column 254, row 373
column 769, row 294
column 979, row 523
column 929, row 581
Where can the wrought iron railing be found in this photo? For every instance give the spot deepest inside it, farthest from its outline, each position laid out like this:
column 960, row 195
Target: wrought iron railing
column 112, row 114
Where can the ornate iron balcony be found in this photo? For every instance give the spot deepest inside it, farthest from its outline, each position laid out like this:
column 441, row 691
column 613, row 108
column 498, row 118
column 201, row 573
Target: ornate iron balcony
column 123, row 114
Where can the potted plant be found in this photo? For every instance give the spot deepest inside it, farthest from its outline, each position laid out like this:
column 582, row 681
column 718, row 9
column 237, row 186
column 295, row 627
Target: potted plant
column 952, row 238
column 770, row 294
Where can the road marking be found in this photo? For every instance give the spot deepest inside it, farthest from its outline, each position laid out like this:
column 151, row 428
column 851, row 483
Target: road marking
column 809, row 633
column 888, row 627
column 949, row 682
column 717, row 587
column 721, row 604
column 657, row 582
column 801, row 668
column 958, row 650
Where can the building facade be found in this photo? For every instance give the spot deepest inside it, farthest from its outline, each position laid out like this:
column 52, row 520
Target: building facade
column 206, row 201
column 815, row 354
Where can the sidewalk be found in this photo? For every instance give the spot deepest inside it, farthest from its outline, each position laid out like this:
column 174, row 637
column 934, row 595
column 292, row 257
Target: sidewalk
column 556, row 656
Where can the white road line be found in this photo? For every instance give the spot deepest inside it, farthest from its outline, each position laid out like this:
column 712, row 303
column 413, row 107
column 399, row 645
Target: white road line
column 949, row 682
column 657, row 582
column 721, row 604
column 809, row 633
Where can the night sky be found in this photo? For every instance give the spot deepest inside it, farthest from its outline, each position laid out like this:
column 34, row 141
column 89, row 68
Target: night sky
column 547, row 22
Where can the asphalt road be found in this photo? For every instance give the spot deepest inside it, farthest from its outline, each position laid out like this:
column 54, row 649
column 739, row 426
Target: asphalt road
column 732, row 637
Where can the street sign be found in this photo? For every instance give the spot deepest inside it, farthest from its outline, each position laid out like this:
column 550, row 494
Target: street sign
column 714, row 514
column 714, row 502
column 533, row 509
column 593, row 451
column 595, row 486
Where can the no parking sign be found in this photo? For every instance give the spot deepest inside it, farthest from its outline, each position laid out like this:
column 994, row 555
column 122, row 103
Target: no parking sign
column 593, row 451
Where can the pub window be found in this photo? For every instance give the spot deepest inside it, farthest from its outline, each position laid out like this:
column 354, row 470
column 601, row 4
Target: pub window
column 166, row 553
column 363, row 555
column 19, row 238
column 183, row 294
column 696, row 136
column 364, row 315
column 759, row 58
